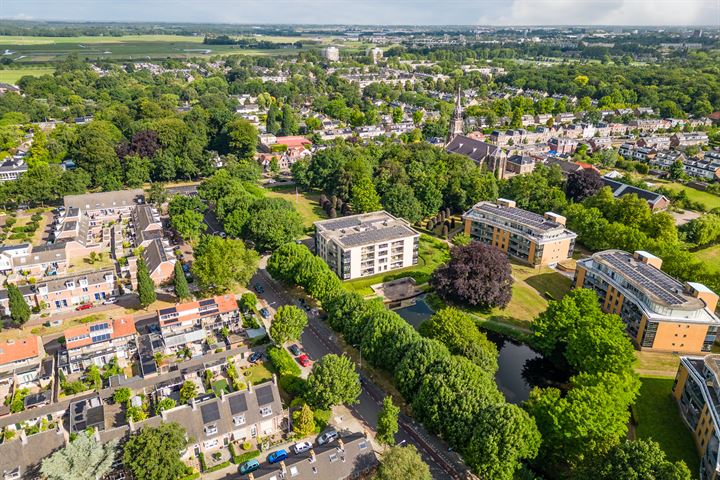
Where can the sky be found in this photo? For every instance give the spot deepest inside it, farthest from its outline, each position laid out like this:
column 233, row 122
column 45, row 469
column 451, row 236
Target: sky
column 366, row 12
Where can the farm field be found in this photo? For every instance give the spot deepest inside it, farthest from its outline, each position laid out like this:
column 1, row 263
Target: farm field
column 13, row 75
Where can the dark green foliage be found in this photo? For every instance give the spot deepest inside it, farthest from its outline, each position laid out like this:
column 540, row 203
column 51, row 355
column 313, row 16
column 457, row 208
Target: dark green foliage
column 333, row 381
column 145, row 284
column 283, row 362
column 19, row 309
column 154, row 453
column 182, row 291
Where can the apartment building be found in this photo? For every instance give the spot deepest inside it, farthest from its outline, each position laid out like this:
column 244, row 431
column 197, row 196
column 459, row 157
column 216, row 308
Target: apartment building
column 660, row 313
column 526, row 236
column 366, row 244
column 188, row 324
column 238, row 416
column 12, row 168
column 33, row 261
column 683, row 140
column 696, row 390
column 97, row 344
column 145, row 224
column 562, row 145
column 21, row 361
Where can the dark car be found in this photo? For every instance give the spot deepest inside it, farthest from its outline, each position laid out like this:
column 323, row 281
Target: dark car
column 265, row 312
column 255, row 357
column 259, row 288
column 295, row 350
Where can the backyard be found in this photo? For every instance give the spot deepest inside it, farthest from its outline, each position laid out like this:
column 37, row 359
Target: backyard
column 657, row 417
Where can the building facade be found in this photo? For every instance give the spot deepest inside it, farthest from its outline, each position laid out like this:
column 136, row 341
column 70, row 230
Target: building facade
column 529, row 237
column 660, row 313
column 98, row 343
column 366, row 244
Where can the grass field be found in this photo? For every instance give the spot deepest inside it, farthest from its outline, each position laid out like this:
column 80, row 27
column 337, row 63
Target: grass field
column 710, row 256
column 657, row 417
column 305, row 203
column 12, row 76
column 708, row 199
column 656, row 363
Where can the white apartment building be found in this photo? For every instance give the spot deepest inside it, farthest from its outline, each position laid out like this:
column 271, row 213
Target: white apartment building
column 366, row 244
column 331, row 53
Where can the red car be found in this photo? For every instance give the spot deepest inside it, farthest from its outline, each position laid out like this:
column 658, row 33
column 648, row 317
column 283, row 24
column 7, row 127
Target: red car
column 304, row 360
column 84, row 306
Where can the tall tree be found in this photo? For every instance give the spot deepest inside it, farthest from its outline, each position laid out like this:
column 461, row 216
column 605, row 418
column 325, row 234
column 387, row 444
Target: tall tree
column 146, row 286
column 303, row 421
column 333, row 381
column 288, row 324
column 636, row 460
column 82, row 459
column 402, row 463
column 387, row 422
column 19, row 309
column 222, row 264
column 364, row 197
column 242, row 138
column 272, row 223
column 182, row 291
column 154, row 453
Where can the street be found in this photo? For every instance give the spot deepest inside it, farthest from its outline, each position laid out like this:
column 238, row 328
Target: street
column 317, row 340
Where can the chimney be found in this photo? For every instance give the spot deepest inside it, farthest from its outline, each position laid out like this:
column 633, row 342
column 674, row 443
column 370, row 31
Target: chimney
column 251, row 476
column 222, row 395
column 274, row 379
column 249, row 387
column 283, row 468
column 554, row 217
column 648, row 258
column 698, row 290
column 504, row 202
column 312, row 455
column 96, row 434
column 194, row 404
column 23, row 437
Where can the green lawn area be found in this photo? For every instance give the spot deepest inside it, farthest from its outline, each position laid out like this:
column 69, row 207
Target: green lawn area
column 12, row 76
column 657, row 417
column 305, row 203
column 258, row 373
column 710, row 256
column 708, row 199
column 656, row 363
column 431, row 253
column 220, row 386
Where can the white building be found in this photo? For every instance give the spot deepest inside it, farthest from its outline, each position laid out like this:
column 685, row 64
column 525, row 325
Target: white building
column 366, row 244
column 331, row 53
column 376, row 54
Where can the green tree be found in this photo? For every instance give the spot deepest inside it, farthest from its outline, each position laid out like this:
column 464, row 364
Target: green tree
column 272, row 124
column 188, row 391
column 94, row 376
column 242, row 138
column 677, row 169
column 461, row 239
column 19, row 309
column 189, row 224
column 273, row 222
column 94, row 151
column 364, row 197
column 248, row 301
column 82, row 459
column 333, row 381
column 402, row 463
column 289, row 121
column 288, row 324
column 303, row 421
column 157, row 193
column 636, row 460
column 122, row 395
column 222, row 264
column 154, row 453
column 166, row 403
column 182, row 291
column 387, row 422
column 145, row 284
column 400, row 201
column 137, row 170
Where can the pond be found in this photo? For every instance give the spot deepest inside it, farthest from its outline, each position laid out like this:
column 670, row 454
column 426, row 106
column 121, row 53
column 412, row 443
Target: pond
column 520, row 368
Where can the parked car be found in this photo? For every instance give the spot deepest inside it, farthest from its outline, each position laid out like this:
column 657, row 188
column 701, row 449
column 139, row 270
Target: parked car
column 84, row 306
column 109, row 301
column 295, row 350
column 301, row 447
column 249, row 466
column 304, row 360
column 265, row 312
column 327, row 437
column 259, row 288
column 277, row 456
column 255, row 357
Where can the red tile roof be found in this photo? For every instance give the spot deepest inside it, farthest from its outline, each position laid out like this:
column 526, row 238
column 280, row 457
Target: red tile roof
column 22, row 349
column 183, row 312
column 79, row 336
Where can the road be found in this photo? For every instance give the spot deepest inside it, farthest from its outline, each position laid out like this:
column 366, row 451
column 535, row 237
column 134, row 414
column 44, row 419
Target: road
column 317, row 341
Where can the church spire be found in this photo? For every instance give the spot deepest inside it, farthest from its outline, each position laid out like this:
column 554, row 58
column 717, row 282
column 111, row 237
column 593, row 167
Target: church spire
column 457, row 123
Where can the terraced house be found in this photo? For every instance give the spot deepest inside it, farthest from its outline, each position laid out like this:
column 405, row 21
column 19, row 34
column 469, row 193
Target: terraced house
column 660, row 312
column 526, row 236
column 98, row 343
column 696, row 389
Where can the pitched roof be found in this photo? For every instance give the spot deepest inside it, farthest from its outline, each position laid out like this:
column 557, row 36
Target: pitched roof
column 98, row 332
column 198, row 309
column 475, row 149
column 293, row 141
column 21, row 349
column 621, row 189
column 25, row 457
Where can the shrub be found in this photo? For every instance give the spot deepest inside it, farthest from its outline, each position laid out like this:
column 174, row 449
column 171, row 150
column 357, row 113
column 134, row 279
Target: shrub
column 293, row 386
column 283, row 362
column 244, row 457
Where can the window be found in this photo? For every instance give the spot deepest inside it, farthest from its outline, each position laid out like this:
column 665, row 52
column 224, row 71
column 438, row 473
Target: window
column 210, row 430
column 333, row 457
column 265, row 411
column 239, row 419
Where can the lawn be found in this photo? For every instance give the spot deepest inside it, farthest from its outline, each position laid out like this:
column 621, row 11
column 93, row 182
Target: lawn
column 258, row 373
column 708, row 199
column 305, row 203
column 220, row 386
column 710, row 256
column 656, row 363
column 657, row 417
column 12, row 76
column 431, row 254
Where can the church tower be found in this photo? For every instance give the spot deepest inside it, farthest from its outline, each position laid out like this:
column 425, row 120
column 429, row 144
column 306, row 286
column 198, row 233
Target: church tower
column 457, row 123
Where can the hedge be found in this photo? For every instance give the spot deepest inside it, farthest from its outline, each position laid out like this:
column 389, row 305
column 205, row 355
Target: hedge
column 283, row 362
column 217, row 467
column 192, row 476
column 243, row 457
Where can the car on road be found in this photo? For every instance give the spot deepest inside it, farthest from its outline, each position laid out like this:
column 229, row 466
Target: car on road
column 301, row 447
column 327, row 437
column 259, row 288
column 265, row 312
column 295, row 350
column 304, row 360
column 249, row 466
column 277, row 456
column 84, row 306
column 255, row 357
column 110, row 301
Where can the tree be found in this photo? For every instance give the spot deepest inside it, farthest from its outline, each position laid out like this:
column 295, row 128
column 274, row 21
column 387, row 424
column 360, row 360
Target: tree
column 402, row 463
column 400, row 201
column 137, row 170
column 248, row 301
column 273, row 222
column 461, row 240
column 333, row 381
column 122, row 395
column 677, row 169
column 387, row 422
column 157, row 193
column 189, row 224
column 221, row 264
column 154, row 453
column 94, row 151
column 303, row 421
column 242, row 138
column 638, row 459
column 582, row 184
column 146, row 286
column 288, row 324
column 364, row 197
column 289, row 121
column 82, row 459
column 182, row 291
column 19, row 309
column 94, row 377
column 188, row 391
column 166, row 403
column 459, row 333
column 477, row 274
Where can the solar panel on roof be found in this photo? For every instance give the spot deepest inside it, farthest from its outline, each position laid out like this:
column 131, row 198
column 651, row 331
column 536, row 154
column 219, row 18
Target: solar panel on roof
column 655, row 281
column 99, row 326
column 264, row 395
column 238, row 404
column 210, row 412
column 208, row 301
column 165, row 311
column 101, row 338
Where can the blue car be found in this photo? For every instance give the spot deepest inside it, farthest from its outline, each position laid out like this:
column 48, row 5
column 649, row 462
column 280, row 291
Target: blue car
column 249, row 466
column 277, row 456
column 265, row 312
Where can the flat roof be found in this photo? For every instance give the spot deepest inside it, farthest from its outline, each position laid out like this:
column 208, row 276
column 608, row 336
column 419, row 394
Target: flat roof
column 517, row 215
column 365, row 229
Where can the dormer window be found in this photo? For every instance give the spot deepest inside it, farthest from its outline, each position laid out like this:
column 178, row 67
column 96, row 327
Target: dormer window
column 239, row 420
column 265, row 411
column 210, row 430
column 70, row 284
column 83, row 282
